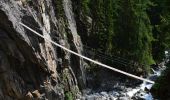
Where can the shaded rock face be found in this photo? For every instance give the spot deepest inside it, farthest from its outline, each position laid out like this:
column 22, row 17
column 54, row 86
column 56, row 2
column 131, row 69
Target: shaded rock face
column 30, row 67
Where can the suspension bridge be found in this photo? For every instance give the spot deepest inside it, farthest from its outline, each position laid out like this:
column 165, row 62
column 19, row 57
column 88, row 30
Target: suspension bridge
column 86, row 58
column 92, row 52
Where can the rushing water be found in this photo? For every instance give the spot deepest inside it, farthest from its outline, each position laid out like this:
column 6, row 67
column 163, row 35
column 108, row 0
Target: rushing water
column 127, row 93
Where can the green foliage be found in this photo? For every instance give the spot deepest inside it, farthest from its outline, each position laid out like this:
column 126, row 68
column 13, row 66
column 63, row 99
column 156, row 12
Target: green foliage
column 68, row 96
column 161, row 31
column 121, row 27
column 137, row 30
column 159, row 14
column 85, row 6
column 133, row 32
column 102, row 26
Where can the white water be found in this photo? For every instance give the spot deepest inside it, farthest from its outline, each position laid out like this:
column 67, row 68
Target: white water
column 144, row 85
column 146, row 96
column 138, row 91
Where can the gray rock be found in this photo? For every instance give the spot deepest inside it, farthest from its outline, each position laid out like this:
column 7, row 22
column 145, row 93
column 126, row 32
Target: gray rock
column 123, row 98
column 28, row 62
column 104, row 94
column 90, row 98
column 112, row 97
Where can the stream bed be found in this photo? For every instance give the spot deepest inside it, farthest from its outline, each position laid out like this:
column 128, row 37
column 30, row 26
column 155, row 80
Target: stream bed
column 122, row 92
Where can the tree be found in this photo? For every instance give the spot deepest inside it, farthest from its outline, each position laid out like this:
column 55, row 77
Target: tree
column 160, row 18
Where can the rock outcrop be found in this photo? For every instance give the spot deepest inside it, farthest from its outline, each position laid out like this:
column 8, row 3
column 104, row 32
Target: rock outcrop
column 31, row 67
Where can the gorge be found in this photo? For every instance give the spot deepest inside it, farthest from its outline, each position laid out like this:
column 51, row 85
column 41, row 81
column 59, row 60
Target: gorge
column 129, row 35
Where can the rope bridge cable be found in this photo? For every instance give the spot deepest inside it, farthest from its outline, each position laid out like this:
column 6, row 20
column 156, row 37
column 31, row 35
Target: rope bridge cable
column 87, row 48
column 86, row 58
column 113, row 60
column 102, row 55
column 106, row 54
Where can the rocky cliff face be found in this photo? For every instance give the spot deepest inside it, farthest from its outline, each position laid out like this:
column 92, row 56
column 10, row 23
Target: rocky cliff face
column 31, row 67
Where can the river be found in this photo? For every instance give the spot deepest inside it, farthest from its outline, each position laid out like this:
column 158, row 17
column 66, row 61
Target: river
column 121, row 92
